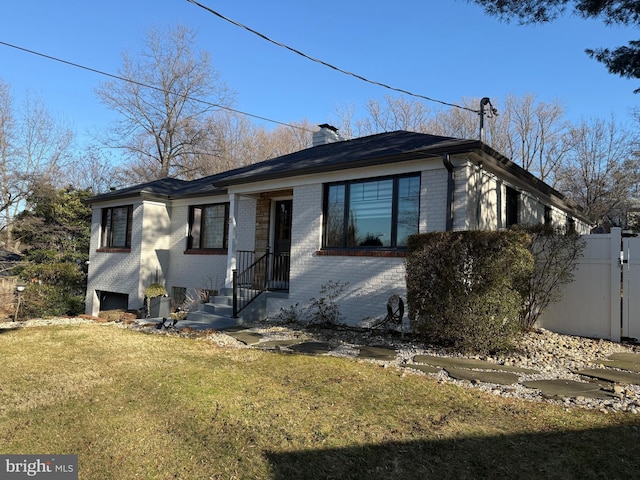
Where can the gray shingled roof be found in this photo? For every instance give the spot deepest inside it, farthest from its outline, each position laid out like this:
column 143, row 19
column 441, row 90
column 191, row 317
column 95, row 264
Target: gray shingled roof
column 360, row 152
column 379, row 149
column 163, row 187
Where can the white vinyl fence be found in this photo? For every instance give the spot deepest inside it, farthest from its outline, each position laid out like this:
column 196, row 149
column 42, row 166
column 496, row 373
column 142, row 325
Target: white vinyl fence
column 604, row 299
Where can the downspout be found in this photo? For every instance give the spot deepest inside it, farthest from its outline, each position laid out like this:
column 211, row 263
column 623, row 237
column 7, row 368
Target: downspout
column 450, row 188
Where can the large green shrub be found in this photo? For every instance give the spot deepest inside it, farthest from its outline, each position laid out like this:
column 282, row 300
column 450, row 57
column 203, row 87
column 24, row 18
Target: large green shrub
column 42, row 300
column 465, row 289
column 53, row 289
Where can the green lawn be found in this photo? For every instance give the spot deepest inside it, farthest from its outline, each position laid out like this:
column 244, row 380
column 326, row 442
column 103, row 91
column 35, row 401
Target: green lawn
column 134, row 405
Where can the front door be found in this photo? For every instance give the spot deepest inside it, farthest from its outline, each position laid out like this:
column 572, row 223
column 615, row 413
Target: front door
column 281, row 244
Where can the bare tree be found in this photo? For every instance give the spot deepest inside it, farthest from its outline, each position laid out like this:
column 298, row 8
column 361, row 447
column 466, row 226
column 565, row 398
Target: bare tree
column 601, row 173
column 287, row 139
column 234, row 141
column 92, row 170
column 538, row 138
column 33, row 148
column 463, row 122
column 7, row 146
column 170, row 92
column 395, row 113
column 530, row 132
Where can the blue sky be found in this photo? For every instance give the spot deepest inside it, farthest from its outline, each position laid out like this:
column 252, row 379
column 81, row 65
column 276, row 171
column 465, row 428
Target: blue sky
column 444, row 50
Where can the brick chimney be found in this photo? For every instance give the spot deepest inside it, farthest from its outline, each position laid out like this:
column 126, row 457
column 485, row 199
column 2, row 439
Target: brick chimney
column 326, row 134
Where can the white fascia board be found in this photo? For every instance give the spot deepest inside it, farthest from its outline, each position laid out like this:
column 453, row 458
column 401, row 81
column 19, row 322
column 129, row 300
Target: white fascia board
column 122, row 202
column 204, row 200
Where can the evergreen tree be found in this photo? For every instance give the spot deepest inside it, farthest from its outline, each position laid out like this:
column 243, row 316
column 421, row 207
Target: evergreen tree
column 54, row 231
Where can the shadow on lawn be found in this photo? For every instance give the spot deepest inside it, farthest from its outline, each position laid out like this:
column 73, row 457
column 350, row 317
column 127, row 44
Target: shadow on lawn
column 601, row 453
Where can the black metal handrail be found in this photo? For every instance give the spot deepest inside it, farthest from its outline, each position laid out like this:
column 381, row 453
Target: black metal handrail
column 244, row 259
column 249, row 283
column 269, row 272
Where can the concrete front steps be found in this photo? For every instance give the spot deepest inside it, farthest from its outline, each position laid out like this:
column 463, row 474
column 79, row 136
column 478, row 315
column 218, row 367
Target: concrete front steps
column 218, row 312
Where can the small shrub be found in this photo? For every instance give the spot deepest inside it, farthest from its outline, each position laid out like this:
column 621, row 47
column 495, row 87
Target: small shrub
column 324, row 309
column 555, row 252
column 155, row 290
column 179, row 315
column 464, row 289
column 112, row 315
column 292, row 314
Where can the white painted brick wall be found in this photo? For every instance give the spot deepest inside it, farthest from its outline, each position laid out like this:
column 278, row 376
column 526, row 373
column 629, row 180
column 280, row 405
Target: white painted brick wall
column 433, row 200
column 205, row 271
column 460, row 199
column 246, row 231
column 532, row 211
column 154, row 250
column 369, row 280
column 114, row 272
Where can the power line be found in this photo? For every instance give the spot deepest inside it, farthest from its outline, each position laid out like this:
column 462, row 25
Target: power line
column 298, row 52
column 141, row 84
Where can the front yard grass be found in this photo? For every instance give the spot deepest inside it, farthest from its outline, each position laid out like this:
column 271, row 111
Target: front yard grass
column 134, row 405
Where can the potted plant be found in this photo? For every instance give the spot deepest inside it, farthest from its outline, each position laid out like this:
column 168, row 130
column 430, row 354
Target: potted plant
column 158, row 303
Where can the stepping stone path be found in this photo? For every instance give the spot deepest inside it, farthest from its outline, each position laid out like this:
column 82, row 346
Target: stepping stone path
column 276, row 344
column 568, row 388
column 619, row 368
column 377, row 353
column 472, row 369
column 425, row 368
column 311, row 348
column 461, row 362
column 615, row 376
column 625, row 361
column 248, row 338
column 499, row 378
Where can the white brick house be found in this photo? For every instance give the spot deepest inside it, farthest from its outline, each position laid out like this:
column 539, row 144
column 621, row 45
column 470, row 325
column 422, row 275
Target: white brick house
column 339, row 211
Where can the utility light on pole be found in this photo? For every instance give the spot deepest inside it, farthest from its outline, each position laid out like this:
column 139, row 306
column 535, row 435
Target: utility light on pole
column 493, row 112
column 19, row 291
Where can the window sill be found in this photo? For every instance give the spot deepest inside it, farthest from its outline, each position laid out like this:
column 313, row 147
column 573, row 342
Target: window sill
column 113, row 250
column 362, row 253
column 206, row 251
